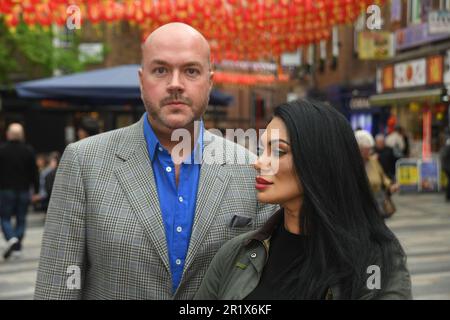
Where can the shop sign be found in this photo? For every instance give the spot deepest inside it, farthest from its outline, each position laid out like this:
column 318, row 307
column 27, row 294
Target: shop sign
column 388, row 78
column 434, row 69
column 444, row 180
column 359, row 103
column 91, row 52
column 410, row 73
column 426, row 137
column 375, row 45
column 429, row 176
column 247, row 66
column 291, row 59
column 416, row 35
column 407, row 175
column 439, row 22
column 415, row 175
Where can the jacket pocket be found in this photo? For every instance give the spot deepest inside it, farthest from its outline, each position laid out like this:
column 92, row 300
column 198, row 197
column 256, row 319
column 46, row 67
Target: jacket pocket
column 237, row 221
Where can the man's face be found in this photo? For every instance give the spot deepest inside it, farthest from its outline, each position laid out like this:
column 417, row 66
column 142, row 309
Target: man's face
column 175, row 80
column 379, row 142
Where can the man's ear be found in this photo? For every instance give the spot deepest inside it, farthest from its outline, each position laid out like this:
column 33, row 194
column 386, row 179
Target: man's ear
column 141, row 80
column 211, row 78
column 140, row 77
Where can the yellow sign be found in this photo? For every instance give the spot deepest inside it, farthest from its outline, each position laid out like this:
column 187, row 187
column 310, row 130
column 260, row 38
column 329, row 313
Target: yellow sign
column 414, row 107
column 444, row 180
column 408, row 175
column 375, row 45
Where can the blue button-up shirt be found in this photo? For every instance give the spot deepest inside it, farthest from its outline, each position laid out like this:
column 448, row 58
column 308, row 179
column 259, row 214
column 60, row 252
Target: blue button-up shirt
column 177, row 202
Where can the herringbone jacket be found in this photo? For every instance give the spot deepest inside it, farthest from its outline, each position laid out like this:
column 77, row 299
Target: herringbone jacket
column 104, row 219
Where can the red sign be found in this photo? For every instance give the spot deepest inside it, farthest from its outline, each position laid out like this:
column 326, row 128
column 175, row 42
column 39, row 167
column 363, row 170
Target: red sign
column 434, row 70
column 426, row 141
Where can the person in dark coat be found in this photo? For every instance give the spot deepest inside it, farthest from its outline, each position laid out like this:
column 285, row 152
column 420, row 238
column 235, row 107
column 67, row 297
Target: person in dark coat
column 88, row 127
column 386, row 156
column 18, row 171
column 445, row 162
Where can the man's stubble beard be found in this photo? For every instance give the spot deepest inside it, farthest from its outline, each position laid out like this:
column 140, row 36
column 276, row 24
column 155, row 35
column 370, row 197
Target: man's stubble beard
column 155, row 115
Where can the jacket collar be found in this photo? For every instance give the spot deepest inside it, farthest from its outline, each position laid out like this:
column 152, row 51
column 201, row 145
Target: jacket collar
column 266, row 231
column 264, row 234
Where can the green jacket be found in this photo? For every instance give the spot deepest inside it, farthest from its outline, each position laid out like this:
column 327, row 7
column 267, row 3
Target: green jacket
column 237, row 267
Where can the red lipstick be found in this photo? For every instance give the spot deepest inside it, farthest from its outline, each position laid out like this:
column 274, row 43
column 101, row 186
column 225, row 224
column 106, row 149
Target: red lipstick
column 262, row 183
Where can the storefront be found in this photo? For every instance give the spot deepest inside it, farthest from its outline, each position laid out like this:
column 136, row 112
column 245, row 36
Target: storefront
column 353, row 102
column 416, row 93
column 365, row 116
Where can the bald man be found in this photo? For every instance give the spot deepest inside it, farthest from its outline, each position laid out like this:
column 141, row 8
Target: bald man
column 134, row 216
column 18, row 172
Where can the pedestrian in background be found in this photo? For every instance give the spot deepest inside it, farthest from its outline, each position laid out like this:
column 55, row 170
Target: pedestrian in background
column 18, row 171
column 50, row 177
column 379, row 182
column 46, row 178
column 42, row 166
column 88, row 127
column 396, row 141
column 405, row 136
column 445, row 163
column 41, row 161
column 385, row 155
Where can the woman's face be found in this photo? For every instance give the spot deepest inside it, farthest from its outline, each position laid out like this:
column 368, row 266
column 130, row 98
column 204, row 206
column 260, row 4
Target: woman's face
column 365, row 152
column 277, row 181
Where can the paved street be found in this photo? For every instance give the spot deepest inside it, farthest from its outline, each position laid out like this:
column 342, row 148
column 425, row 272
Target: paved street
column 422, row 223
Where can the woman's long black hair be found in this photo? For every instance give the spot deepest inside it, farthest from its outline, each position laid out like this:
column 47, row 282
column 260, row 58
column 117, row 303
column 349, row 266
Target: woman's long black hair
column 339, row 215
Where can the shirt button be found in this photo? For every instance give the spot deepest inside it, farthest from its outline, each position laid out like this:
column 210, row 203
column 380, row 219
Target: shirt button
column 253, row 255
column 178, row 261
column 169, row 169
column 179, row 229
column 180, row 199
column 160, row 148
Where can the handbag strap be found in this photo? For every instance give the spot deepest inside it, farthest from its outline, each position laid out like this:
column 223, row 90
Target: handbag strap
column 381, row 173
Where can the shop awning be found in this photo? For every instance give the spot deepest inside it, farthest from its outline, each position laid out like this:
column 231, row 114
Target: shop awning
column 429, row 95
column 117, row 85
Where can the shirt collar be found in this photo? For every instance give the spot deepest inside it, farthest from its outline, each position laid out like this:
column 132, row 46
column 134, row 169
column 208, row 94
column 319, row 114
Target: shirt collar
column 150, row 138
column 153, row 143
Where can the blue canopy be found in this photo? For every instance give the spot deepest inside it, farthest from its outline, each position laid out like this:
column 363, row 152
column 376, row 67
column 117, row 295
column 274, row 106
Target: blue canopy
column 117, row 85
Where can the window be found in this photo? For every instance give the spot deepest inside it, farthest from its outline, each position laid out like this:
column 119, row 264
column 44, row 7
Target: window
column 446, row 5
column 418, row 10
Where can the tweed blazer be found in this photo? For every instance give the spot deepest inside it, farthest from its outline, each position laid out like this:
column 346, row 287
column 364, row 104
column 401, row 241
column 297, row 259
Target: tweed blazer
column 104, row 223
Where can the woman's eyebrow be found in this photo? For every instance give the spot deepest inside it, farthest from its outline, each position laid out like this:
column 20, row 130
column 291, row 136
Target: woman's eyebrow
column 279, row 140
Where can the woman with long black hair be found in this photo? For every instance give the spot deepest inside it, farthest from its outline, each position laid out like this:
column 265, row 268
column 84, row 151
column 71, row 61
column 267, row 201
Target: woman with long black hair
column 328, row 240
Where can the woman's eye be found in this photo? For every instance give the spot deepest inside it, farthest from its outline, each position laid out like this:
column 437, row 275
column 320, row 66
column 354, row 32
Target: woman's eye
column 278, row 153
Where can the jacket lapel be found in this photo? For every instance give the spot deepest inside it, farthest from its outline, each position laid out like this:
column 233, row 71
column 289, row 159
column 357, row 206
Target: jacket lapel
column 211, row 188
column 136, row 178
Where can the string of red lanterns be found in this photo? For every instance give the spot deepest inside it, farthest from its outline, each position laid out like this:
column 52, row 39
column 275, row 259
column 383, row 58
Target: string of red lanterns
column 237, row 30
